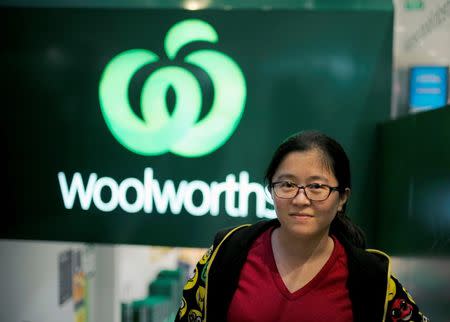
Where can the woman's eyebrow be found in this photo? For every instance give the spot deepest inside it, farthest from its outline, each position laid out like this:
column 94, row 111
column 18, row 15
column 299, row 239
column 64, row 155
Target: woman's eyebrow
column 318, row 178
column 286, row 176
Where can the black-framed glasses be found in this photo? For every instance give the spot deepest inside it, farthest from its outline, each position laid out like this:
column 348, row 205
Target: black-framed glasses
column 313, row 191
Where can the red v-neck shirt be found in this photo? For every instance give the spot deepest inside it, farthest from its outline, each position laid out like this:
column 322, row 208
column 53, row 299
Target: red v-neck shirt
column 262, row 296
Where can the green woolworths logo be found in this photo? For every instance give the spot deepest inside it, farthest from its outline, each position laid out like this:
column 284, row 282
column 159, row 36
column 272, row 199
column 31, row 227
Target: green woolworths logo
column 180, row 132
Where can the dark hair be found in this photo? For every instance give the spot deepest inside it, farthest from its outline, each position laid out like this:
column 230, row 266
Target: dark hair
column 337, row 161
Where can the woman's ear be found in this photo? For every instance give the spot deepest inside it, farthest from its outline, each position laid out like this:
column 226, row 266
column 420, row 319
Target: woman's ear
column 343, row 198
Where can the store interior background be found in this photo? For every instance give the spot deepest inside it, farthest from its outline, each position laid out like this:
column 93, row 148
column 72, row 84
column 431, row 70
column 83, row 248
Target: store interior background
column 117, row 274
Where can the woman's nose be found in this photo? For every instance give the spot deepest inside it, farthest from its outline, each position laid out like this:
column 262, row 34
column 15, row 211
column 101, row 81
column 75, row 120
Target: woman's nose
column 301, row 197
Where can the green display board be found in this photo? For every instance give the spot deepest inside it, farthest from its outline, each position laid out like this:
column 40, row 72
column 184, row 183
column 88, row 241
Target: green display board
column 414, row 192
column 154, row 126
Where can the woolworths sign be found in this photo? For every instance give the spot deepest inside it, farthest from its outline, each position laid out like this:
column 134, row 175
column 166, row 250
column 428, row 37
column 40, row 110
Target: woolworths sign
column 157, row 127
column 153, row 196
column 180, row 132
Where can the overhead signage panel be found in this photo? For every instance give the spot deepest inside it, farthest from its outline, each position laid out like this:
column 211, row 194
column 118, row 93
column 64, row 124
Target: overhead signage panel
column 156, row 126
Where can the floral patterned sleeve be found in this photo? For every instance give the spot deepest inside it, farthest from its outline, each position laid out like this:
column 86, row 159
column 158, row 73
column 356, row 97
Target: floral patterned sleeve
column 401, row 306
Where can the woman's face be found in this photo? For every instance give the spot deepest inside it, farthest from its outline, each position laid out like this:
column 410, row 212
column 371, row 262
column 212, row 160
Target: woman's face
column 300, row 216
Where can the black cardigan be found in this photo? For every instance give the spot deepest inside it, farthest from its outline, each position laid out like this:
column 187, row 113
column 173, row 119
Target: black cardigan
column 369, row 274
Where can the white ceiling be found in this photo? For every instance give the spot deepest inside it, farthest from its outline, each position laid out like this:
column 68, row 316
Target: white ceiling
column 422, row 36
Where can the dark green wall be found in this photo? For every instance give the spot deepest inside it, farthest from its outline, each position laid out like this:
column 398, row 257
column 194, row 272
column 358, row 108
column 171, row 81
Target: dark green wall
column 324, row 69
column 414, row 184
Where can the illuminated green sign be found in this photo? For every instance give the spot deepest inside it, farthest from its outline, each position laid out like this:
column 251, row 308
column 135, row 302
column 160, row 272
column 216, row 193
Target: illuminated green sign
column 179, row 132
column 143, row 129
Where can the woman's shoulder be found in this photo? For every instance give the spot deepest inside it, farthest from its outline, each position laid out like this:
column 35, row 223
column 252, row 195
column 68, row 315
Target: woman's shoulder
column 372, row 277
column 366, row 256
column 378, row 255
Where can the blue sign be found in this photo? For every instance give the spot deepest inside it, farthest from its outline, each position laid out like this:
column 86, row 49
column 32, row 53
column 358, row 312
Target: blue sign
column 428, row 87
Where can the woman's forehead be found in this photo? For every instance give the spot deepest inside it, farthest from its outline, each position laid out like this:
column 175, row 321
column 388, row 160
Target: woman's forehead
column 312, row 163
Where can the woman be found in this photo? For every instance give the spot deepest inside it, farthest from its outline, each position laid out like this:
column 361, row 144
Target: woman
column 310, row 264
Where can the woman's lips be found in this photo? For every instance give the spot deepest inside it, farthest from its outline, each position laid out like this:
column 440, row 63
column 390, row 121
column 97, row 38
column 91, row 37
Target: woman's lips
column 301, row 216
